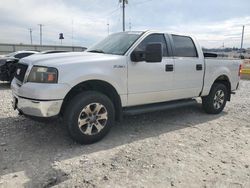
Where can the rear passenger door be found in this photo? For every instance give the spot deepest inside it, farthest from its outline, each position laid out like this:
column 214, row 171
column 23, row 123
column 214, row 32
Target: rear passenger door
column 189, row 67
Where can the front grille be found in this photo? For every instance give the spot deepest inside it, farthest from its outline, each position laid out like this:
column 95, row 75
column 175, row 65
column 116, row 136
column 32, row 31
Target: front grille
column 20, row 71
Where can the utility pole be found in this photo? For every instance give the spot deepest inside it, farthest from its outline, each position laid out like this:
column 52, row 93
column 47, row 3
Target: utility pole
column 123, row 13
column 129, row 25
column 72, row 32
column 108, row 27
column 41, row 34
column 30, row 29
column 242, row 37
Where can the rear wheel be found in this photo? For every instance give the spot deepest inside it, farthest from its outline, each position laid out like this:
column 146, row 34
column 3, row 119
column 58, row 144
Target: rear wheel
column 89, row 117
column 215, row 102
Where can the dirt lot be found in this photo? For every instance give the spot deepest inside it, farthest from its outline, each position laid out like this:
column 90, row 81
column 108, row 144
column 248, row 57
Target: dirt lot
column 177, row 148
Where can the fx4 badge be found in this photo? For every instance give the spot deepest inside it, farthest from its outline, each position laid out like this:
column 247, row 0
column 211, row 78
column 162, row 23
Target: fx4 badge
column 119, row 66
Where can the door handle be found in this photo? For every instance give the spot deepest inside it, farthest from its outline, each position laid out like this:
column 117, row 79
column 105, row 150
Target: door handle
column 169, row 68
column 199, row 67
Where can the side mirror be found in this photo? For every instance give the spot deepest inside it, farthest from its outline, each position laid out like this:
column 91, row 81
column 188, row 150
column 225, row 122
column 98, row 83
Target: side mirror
column 153, row 52
column 137, row 56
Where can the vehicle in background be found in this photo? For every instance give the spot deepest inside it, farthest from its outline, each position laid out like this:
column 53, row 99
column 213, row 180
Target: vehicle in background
column 53, row 51
column 126, row 73
column 9, row 62
column 20, row 54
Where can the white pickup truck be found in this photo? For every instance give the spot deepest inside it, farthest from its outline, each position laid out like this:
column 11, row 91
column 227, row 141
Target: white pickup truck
column 126, row 73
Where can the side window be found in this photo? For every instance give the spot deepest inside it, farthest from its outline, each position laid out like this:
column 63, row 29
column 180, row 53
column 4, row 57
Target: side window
column 22, row 55
column 159, row 38
column 184, row 46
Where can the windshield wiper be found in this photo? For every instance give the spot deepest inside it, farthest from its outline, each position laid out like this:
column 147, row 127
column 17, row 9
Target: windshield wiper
column 96, row 51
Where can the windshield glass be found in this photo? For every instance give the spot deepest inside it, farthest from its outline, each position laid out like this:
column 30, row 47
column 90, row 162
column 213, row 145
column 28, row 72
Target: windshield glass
column 117, row 43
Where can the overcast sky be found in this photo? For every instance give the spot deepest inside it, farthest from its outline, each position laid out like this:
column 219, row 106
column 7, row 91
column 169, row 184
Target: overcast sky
column 213, row 22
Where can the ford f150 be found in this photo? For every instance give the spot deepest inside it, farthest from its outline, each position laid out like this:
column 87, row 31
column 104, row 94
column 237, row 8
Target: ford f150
column 126, row 73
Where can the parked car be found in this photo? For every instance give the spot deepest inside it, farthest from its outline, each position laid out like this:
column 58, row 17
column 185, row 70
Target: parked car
column 8, row 63
column 126, row 73
column 53, row 51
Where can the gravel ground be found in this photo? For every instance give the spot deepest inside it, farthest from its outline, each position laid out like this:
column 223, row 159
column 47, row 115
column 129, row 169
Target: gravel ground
column 178, row 148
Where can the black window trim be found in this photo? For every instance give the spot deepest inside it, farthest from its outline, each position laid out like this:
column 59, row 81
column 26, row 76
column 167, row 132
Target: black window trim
column 166, row 42
column 169, row 45
column 173, row 46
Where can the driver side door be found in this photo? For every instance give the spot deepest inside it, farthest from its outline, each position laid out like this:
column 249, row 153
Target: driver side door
column 151, row 82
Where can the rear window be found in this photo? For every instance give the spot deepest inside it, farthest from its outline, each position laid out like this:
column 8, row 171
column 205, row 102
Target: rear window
column 184, row 46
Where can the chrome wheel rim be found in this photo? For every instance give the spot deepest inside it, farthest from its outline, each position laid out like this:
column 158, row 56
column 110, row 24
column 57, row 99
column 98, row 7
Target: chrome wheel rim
column 92, row 119
column 219, row 99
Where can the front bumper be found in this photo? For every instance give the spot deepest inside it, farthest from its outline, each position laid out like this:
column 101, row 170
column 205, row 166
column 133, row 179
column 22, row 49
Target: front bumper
column 37, row 108
column 39, row 100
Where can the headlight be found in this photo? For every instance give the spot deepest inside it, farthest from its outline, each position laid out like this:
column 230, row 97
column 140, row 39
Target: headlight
column 43, row 75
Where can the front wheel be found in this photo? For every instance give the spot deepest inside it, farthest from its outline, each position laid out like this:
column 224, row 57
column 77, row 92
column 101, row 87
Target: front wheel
column 215, row 102
column 89, row 117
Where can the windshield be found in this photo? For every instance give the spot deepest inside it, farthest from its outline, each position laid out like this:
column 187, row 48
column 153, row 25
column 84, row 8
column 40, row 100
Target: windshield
column 117, row 43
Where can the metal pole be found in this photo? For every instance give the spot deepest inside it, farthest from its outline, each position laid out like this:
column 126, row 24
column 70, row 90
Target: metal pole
column 108, row 27
column 123, row 15
column 41, row 35
column 72, row 32
column 129, row 25
column 242, row 37
column 31, row 36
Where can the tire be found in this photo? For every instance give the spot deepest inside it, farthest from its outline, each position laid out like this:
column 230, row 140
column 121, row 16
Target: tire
column 89, row 117
column 215, row 102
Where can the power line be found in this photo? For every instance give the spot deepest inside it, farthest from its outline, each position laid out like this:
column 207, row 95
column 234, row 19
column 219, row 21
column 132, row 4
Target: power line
column 141, row 2
column 112, row 12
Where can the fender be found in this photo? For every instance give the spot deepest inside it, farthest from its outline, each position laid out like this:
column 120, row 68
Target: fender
column 210, row 78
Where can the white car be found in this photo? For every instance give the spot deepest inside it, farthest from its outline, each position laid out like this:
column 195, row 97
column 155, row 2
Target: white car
column 126, row 73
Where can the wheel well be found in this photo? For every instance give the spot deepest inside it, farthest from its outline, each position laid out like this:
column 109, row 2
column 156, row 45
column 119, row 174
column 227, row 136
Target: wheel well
column 223, row 79
column 99, row 86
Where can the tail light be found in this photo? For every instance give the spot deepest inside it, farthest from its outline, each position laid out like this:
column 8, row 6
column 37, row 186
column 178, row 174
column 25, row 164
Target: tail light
column 240, row 69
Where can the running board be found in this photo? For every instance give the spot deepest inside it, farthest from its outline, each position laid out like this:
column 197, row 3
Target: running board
column 134, row 110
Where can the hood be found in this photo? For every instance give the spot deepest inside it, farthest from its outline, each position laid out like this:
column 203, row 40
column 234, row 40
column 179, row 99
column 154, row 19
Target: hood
column 58, row 59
